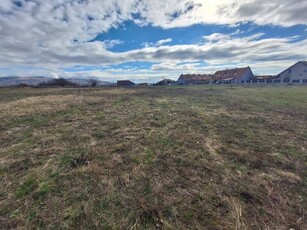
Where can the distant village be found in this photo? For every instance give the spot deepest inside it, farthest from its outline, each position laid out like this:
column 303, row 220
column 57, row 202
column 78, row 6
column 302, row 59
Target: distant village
column 295, row 74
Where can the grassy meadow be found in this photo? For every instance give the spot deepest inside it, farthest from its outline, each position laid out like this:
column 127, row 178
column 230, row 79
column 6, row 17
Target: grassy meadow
column 153, row 158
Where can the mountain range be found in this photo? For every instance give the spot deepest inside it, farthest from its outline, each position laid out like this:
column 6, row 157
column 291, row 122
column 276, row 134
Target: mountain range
column 37, row 80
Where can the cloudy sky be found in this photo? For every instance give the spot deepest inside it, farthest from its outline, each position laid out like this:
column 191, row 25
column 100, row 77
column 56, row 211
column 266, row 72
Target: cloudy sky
column 149, row 39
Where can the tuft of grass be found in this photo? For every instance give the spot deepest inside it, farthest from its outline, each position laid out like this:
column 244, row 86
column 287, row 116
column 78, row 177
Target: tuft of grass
column 27, row 186
column 3, row 170
column 149, row 157
column 44, row 188
column 66, row 160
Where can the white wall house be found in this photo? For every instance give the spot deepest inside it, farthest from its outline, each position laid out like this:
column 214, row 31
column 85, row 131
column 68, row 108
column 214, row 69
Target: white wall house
column 296, row 73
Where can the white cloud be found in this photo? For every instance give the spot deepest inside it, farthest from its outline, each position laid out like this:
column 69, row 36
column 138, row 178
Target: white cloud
column 262, row 12
column 108, row 44
column 57, row 33
column 163, row 41
column 158, row 43
column 216, row 37
column 247, row 48
column 54, row 75
column 170, row 14
column 175, row 66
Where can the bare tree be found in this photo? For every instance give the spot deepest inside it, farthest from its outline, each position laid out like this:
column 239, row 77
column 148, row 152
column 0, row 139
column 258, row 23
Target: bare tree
column 93, row 82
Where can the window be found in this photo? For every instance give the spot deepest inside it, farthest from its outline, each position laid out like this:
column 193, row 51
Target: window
column 290, row 71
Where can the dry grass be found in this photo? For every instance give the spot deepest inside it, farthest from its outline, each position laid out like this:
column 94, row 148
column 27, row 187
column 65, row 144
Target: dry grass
column 153, row 158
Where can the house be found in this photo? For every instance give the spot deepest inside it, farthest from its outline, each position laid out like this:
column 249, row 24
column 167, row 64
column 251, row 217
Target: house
column 125, row 83
column 143, row 84
column 265, row 77
column 296, row 73
column 166, row 82
column 194, row 79
column 238, row 75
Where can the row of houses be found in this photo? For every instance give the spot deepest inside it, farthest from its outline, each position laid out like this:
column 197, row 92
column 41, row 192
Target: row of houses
column 296, row 73
column 236, row 75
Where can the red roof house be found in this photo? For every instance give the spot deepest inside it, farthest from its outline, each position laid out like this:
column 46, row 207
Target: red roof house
column 234, row 75
column 194, row 79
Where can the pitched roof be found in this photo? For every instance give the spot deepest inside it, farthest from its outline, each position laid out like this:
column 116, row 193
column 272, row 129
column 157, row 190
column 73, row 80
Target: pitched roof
column 166, row 81
column 231, row 73
column 303, row 62
column 125, row 82
column 195, row 77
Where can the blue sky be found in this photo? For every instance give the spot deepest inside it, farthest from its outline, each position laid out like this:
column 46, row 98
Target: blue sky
column 149, row 40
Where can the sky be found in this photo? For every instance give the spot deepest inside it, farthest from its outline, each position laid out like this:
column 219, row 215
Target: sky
column 148, row 40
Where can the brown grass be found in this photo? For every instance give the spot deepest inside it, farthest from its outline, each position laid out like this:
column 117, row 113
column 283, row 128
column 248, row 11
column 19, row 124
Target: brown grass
column 153, row 158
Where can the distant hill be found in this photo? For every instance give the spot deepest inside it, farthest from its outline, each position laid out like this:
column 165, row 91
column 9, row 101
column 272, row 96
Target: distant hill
column 2, row 79
column 15, row 81
column 40, row 80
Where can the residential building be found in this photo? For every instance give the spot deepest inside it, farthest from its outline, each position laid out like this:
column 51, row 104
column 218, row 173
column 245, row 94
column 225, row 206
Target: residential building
column 166, row 82
column 264, row 78
column 194, row 79
column 125, row 83
column 296, row 73
column 238, row 75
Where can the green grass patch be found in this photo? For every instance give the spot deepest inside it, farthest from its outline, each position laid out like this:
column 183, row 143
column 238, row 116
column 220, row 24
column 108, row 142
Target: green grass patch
column 27, row 187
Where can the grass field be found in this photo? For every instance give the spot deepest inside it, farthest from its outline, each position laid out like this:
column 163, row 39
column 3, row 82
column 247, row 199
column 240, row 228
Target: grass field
column 153, row 158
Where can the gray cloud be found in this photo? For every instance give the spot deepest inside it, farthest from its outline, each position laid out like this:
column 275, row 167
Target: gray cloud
column 55, row 34
column 281, row 12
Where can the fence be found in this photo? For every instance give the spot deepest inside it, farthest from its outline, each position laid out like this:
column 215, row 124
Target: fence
column 269, row 81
